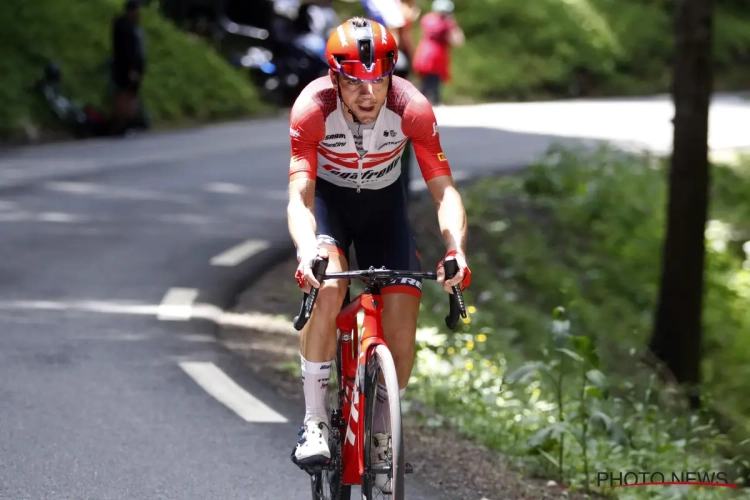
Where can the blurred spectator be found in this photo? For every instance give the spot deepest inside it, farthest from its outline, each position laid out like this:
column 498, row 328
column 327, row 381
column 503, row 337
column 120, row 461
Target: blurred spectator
column 399, row 17
column 201, row 28
column 440, row 32
column 128, row 64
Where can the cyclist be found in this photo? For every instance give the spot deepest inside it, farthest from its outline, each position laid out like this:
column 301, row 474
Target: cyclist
column 348, row 132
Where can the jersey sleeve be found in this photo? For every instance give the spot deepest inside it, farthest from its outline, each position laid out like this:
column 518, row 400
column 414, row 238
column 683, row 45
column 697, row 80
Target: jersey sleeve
column 420, row 125
column 306, row 130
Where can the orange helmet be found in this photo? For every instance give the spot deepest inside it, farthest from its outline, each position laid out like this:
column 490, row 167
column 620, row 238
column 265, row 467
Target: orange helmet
column 362, row 49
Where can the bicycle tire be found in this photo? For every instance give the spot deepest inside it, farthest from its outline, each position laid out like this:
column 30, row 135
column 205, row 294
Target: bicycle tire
column 381, row 361
column 326, row 485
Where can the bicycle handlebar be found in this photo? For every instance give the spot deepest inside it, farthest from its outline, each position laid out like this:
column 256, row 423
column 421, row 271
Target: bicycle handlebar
column 456, row 300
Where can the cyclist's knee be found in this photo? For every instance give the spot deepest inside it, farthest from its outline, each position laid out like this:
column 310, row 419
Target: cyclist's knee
column 332, row 292
column 400, row 313
column 330, row 298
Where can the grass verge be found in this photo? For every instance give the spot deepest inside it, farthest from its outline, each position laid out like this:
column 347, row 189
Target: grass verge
column 566, row 259
column 186, row 80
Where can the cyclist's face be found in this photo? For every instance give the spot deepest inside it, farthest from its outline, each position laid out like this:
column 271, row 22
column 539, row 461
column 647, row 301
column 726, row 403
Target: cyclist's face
column 364, row 98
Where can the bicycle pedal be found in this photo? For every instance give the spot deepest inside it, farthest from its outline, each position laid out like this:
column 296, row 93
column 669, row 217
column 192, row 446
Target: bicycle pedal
column 313, row 469
column 408, row 469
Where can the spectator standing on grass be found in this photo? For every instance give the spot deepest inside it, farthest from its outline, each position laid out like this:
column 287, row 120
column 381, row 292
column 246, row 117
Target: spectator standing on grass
column 440, row 32
column 128, row 65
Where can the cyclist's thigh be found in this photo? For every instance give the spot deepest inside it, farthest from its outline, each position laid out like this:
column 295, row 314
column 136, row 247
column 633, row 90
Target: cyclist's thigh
column 390, row 242
column 393, row 245
column 331, row 232
column 333, row 237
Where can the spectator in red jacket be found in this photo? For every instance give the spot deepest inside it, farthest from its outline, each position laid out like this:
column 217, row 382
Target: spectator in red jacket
column 440, row 32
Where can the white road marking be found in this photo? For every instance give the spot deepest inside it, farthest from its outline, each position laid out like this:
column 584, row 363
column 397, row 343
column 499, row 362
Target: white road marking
column 219, row 385
column 226, row 188
column 177, row 304
column 239, row 253
column 115, row 191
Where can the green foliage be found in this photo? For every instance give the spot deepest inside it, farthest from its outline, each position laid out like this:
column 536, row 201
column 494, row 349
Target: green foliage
column 556, row 48
column 568, row 394
column 185, row 78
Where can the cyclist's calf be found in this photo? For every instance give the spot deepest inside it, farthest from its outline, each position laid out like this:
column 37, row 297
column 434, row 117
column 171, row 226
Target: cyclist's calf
column 400, row 313
column 318, row 339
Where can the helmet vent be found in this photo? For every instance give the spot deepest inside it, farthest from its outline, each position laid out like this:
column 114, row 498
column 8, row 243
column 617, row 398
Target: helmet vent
column 366, row 54
column 365, row 37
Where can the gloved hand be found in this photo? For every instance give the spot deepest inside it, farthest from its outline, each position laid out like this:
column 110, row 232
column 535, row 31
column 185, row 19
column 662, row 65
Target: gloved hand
column 304, row 275
column 463, row 276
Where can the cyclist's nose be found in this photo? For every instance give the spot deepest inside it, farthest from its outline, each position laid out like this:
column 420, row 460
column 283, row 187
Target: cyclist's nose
column 366, row 88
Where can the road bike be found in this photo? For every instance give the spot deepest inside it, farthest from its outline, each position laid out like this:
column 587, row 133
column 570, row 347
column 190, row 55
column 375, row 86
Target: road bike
column 362, row 360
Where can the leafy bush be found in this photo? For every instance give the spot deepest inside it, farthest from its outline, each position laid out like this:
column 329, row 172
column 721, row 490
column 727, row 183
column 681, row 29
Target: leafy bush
column 556, row 48
column 580, row 234
column 185, row 78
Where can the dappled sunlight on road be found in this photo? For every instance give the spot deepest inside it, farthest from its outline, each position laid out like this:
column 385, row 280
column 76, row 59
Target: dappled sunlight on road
column 116, row 192
column 198, row 311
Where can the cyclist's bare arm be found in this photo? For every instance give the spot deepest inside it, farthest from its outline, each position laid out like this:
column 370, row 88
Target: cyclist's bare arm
column 301, row 215
column 450, row 211
column 307, row 129
column 420, row 125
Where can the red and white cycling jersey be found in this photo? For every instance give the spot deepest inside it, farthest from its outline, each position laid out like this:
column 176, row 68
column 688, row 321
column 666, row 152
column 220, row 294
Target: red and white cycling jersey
column 323, row 145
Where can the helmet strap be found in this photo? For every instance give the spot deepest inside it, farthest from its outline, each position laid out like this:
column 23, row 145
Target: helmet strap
column 348, row 109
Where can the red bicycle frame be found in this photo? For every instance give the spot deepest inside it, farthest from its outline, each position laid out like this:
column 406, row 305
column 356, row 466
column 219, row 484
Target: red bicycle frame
column 354, row 358
column 355, row 352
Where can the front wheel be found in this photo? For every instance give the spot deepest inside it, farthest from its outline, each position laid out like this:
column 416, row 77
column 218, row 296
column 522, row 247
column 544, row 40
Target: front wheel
column 384, row 445
column 326, row 484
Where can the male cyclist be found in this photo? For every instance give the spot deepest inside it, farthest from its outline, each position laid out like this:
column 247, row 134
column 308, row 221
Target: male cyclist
column 348, row 131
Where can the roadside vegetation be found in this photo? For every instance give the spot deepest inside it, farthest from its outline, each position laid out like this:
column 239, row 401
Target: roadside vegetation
column 551, row 49
column 555, row 49
column 550, row 365
column 187, row 81
column 514, row 51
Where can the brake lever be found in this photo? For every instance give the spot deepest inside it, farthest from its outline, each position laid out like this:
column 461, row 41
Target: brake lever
column 457, row 306
column 320, row 264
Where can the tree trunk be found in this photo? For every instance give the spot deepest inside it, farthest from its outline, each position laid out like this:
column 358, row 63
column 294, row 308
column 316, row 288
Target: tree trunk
column 676, row 339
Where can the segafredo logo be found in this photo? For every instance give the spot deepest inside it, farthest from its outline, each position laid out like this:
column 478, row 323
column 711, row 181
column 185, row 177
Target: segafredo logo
column 354, row 413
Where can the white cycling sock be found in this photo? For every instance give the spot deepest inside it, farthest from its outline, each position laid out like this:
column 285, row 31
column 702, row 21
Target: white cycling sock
column 315, row 384
column 382, row 419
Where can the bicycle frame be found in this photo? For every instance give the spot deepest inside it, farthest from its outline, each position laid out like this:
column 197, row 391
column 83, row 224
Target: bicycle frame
column 354, row 358
column 355, row 350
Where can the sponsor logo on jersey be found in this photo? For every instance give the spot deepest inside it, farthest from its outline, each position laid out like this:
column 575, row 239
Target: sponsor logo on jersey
column 390, row 143
column 441, row 156
column 293, row 133
column 366, row 176
column 331, row 137
column 334, row 144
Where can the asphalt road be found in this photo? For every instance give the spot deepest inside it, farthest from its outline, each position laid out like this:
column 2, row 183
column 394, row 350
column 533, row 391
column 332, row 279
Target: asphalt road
column 115, row 259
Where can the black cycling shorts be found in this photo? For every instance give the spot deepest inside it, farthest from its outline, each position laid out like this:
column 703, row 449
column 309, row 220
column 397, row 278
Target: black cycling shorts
column 376, row 222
